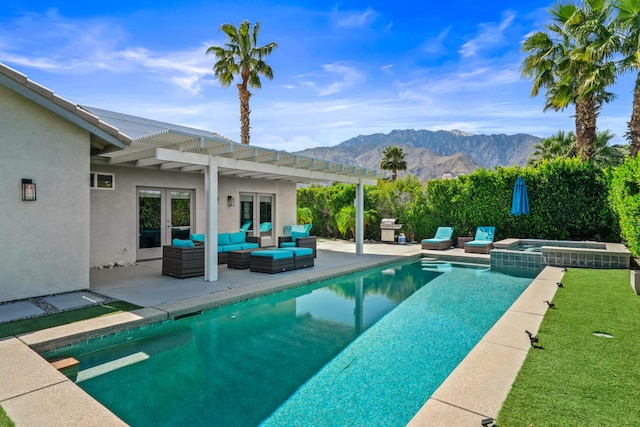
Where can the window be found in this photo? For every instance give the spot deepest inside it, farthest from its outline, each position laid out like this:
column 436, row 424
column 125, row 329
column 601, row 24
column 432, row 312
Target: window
column 102, row 181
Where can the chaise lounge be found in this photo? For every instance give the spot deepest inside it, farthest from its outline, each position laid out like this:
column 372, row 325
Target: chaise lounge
column 442, row 240
column 482, row 243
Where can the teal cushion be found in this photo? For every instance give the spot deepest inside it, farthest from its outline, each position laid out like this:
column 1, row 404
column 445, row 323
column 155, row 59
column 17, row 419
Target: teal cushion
column 249, row 245
column 197, row 237
column 223, row 239
column 274, row 254
column 239, row 237
column 288, row 244
column 298, row 228
column 434, row 240
column 182, row 243
column 444, row 233
column 479, row 242
column 296, row 234
column 485, row 233
column 299, row 251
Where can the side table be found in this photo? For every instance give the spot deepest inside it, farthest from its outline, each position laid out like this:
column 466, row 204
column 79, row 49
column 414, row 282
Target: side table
column 463, row 240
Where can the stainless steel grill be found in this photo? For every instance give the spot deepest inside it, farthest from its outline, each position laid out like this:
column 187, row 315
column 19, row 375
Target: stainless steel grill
column 388, row 228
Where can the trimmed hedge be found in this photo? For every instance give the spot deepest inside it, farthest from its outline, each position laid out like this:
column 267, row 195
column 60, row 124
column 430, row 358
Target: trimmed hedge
column 625, row 199
column 568, row 199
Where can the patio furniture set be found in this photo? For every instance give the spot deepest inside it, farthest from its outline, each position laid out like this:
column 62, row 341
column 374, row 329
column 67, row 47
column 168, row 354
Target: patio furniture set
column 185, row 258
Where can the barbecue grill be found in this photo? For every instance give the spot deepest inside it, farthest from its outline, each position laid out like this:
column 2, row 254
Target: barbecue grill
column 388, row 229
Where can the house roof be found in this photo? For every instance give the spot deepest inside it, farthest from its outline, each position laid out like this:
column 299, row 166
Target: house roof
column 234, row 159
column 103, row 135
column 126, row 140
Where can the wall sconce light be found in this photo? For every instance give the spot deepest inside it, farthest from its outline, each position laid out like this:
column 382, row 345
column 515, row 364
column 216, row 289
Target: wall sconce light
column 28, row 190
column 231, row 201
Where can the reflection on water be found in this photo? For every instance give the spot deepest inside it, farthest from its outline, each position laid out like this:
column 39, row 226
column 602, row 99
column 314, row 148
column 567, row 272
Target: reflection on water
column 235, row 365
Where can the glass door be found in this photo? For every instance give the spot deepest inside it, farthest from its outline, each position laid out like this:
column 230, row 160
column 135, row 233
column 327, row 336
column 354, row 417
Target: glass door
column 266, row 215
column 163, row 215
column 256, row 218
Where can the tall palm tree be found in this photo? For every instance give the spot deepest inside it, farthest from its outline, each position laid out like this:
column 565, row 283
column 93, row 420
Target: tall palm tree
column 241, row 56
column 393, row 160
column 573, row 61
column 628, row 20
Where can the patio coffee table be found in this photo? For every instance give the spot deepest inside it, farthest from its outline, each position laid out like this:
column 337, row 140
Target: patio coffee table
column 240, row 259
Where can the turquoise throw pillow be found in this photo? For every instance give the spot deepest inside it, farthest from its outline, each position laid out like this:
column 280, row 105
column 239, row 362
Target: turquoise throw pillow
column 238, row 237
column 183, row 243
column 197, row 237
column 296, row 234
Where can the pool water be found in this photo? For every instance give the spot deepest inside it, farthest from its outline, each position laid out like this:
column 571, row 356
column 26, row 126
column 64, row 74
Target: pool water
column 358, row 350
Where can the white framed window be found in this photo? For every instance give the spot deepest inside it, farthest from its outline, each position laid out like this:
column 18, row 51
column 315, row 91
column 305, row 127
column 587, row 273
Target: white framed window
column 103, row 181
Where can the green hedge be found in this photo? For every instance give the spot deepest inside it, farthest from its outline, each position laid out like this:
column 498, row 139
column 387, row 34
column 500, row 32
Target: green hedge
column 568, row 199
column 625, row 199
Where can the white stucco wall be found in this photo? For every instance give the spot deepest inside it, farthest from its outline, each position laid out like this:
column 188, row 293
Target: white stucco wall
column 285, row 202
column 44, row 244
column 114, row 212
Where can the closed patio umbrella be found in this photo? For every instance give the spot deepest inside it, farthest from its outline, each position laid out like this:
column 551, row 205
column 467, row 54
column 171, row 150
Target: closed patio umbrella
column 520, row 201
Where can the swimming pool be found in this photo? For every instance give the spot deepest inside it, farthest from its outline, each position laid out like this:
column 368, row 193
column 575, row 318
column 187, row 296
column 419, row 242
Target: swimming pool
column 309, row 356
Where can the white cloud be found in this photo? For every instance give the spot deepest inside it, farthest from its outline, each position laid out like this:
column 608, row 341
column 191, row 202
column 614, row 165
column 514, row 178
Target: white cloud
column 489, row 35
column 339, row 76
column 353, row 20
column 435, row 45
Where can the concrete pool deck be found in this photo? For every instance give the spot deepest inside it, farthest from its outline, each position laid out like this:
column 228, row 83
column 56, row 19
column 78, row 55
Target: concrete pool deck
column 34, row 393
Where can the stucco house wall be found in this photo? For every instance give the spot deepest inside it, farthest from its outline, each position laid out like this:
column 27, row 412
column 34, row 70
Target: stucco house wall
column 44, row 242
column 114, row 213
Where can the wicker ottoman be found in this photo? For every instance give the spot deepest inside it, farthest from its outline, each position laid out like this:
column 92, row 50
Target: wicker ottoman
column 271, row 261
column 302, row 257
column 183, row 262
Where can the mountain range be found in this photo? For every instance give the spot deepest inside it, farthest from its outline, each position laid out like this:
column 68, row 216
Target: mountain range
column 432, row 154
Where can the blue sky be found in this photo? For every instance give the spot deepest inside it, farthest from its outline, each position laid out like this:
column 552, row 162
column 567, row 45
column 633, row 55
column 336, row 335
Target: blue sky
column 342, row 69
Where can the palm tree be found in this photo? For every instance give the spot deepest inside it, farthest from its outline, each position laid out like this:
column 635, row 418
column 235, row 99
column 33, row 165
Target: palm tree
column 241, row 56
column 393, row 160
column 346, row 219
column 628, row 20
column 572, row 60
column 564, row 145
column 557, row 145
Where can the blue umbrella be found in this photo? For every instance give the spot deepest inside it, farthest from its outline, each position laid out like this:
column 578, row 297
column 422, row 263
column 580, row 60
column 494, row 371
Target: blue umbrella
column 520, row 201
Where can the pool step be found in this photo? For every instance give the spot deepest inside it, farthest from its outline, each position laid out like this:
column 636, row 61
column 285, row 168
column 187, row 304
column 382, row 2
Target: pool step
column 66, row 365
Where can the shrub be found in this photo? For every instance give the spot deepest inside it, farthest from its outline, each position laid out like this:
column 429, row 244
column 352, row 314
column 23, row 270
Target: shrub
column 625, row 200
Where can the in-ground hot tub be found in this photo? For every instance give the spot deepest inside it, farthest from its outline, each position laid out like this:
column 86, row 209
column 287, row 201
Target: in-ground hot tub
column 536, row 254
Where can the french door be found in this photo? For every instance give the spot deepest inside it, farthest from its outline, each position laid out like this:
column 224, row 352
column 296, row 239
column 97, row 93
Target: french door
column 164, row 214
column 256, row 216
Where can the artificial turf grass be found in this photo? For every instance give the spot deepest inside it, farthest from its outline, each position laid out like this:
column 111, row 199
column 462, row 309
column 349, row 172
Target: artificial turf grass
column 43, row 322
column 5, row 421
column 577, row 378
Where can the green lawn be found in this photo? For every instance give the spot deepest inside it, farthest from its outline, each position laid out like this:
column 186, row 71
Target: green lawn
column 44, row 322
column 577, row 378
column 4, row 419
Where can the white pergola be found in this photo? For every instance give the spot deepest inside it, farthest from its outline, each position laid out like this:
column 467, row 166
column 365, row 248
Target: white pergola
column 212, row 155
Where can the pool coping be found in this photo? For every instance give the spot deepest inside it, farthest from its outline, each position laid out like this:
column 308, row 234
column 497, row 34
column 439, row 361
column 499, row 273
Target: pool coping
column 476, row 389
column 39, row 393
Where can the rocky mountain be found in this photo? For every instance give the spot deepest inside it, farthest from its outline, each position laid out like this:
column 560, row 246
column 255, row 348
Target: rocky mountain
column 431, row 154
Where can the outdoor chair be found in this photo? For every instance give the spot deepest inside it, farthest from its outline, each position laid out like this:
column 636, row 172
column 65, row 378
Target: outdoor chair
column 442, row 240
column 482, row 243
column 298, row 240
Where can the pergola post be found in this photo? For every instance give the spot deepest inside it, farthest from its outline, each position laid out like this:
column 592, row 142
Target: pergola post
column 359, row 217
column 211, row 240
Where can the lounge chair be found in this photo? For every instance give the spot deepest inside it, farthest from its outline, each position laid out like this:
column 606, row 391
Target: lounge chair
column 442, row 240
column 482, row 243
column 246, row 225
